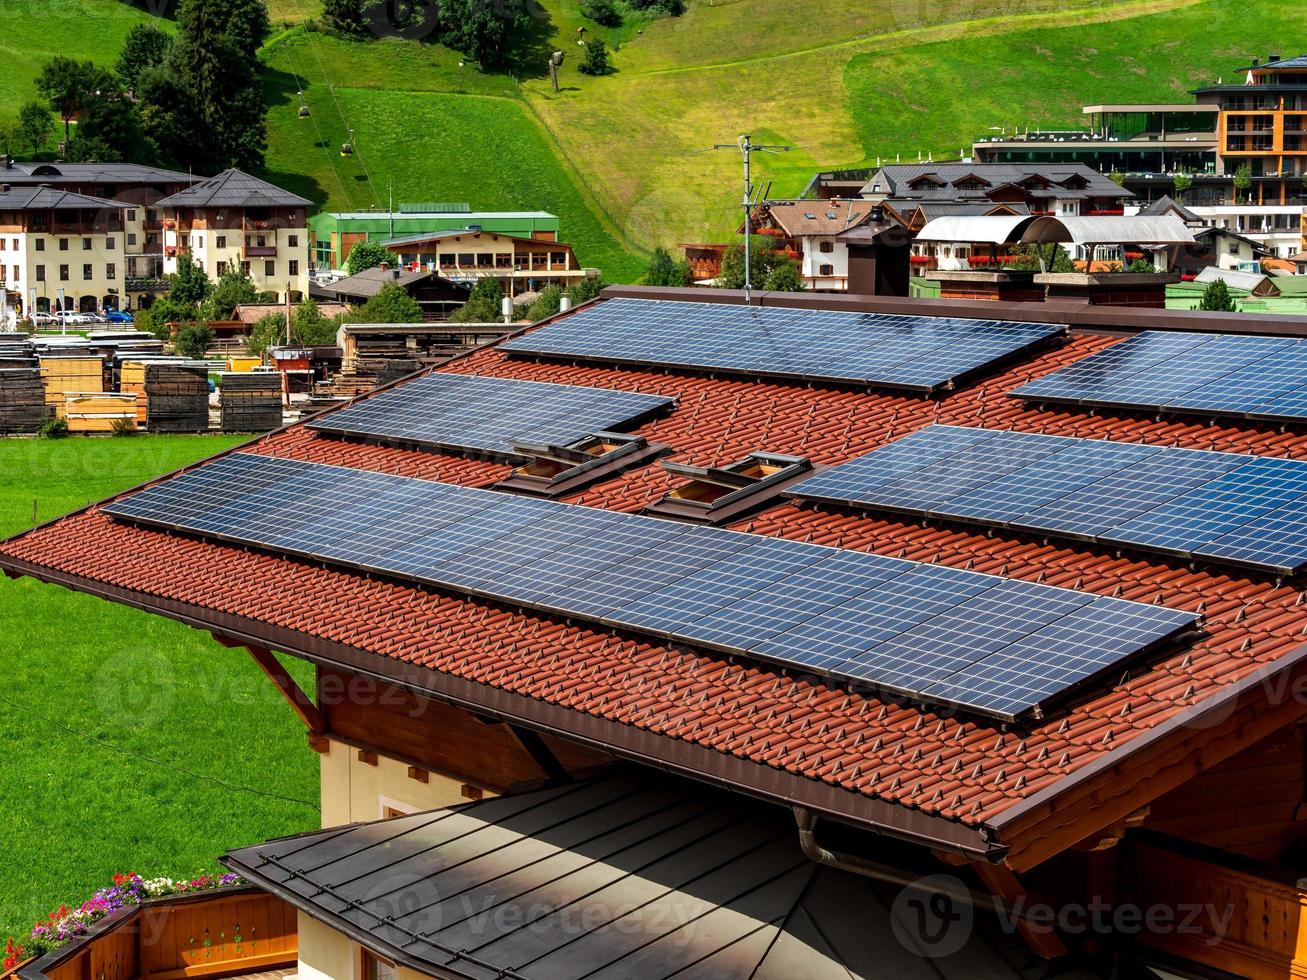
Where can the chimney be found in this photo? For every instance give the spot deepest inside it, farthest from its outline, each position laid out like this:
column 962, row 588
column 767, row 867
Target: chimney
column 1271, row 58
column 1256, row 62
column 9, row 162
column 877, row 213
column 5, row 188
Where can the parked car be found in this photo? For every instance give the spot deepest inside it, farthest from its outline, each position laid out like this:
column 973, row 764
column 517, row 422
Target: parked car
column 68, row 318
column 117, row 316
column 40, row 319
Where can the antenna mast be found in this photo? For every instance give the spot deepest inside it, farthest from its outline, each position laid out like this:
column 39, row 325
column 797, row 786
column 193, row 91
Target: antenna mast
column 746, row 146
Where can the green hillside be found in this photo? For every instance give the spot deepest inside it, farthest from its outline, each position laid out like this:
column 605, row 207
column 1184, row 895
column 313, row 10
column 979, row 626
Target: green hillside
column 625, row 160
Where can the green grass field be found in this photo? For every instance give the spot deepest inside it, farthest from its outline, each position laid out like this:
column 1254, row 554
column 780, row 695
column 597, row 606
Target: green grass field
column 131, row 742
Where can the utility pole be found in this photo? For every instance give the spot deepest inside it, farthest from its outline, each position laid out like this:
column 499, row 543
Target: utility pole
column 390, row 183
column 746, row 146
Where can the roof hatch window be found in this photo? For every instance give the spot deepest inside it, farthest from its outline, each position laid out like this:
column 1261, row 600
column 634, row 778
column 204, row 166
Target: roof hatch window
column 714, row 495
column 554, row 471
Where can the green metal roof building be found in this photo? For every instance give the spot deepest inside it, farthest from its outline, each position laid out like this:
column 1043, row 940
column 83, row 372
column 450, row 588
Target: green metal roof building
column 333, row 233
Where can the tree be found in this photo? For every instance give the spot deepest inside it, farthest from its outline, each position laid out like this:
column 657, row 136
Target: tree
column 309, row 327
column 1182, row 184
column 601, row 12
column 163, row 312
column 596, row 58
column 233, row 288
column 761, row 259
column 392, row 304
column 547, row 304
column 484, row 304
column 69, row 85
column 269, row 331
column 367, row 255
column 584, row 290
column 1141, row 265
column 35, row 126
column 784, row 277
column 1056, row 259
column 666, row 271
column 193, row 340
column 91, row 149
column 206, row 107
column 111, row 120
column 481, row 29
column 1216, row 296
column 1243, row 180
column 347, row 17
column 145, row 47
column 1117, row 178
column 190, row 286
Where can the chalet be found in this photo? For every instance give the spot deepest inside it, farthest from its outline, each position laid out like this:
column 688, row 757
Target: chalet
column 60, row 250
column 437, row 295
column 812, row 230
column 140, row 188
column 832, row 637
column 235, row 220
column 520, row 264
column 1057, row 189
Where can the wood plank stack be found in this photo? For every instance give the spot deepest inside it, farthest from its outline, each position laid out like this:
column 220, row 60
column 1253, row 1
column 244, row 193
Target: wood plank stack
column 250, row 402
column 103, row 412
column 171, row 396
column 22, row 400
column 64, row 376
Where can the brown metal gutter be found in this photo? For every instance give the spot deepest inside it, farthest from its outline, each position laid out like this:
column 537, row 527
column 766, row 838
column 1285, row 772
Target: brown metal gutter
column 1115, row 319
column 647, row 748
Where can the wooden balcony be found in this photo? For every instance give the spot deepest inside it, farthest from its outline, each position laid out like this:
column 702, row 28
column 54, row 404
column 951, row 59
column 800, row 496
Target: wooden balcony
column 1240, row 917
column 233, row 932
column 260, row 251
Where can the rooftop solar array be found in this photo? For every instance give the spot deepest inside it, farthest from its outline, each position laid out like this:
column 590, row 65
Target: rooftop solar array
column 914, row 353
column 469, row 413
column 1200, row 373
column 1245, row 510
column 990, row 644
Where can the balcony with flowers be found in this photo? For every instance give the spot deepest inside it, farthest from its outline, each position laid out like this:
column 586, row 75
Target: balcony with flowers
column 165, row 929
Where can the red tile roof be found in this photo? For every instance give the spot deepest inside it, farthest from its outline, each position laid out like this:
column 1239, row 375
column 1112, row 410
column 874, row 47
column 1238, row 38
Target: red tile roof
column 959, row 768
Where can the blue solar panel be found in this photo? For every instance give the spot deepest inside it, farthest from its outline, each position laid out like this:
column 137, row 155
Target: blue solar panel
column 467, row 413
column 890, row 624
column 1208, row 374
column 916, row 353
column 1222, row 506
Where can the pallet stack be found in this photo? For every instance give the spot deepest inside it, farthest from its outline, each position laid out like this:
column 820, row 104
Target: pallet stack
column 103, row 412
column 250, row 402
column 22, row 400
column 64, row 376
column 171, row 396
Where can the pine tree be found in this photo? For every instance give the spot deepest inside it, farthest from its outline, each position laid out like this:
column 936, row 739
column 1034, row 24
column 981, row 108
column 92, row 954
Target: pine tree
column 1217, row 297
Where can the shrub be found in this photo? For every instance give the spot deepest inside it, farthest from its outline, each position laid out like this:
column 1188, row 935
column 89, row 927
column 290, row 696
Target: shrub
column 596, row 58
column 601, row 12
column 123, row 427
column 193, row 340
column 785, row 277
column 54, row 428
column 546, row 304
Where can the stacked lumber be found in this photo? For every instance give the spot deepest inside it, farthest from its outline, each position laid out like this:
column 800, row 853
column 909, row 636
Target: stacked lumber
column 102, row 412
column 171, row 396
column 250, row 402
column 64, row 376
column 22, row 400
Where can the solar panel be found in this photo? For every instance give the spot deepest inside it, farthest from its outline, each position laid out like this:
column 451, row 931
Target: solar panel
column 1207, row 374
column 866, row 620
column 913, row 353
column 468, row 413
column 1220, row 506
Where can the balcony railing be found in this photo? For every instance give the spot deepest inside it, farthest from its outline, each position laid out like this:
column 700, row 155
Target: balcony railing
column 224, row 933
column 260, row 251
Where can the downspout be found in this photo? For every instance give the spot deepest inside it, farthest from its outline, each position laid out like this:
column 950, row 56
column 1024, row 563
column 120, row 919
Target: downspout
column 867, row 868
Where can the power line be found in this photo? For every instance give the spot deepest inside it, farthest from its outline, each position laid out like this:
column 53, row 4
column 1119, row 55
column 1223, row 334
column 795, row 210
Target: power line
column 97, row 740
column 322, row 140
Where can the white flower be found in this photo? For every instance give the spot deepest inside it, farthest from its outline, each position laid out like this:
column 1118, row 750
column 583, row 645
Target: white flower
column 159, row 886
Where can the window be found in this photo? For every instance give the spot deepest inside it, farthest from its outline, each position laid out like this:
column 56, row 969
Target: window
column 110, row 272
column 63, row 273
column 63, row 244
column 375, row 968
column 245, row 268
column 222, row 241
column 2, row 244
column 826, row 270
column 86, row 244
column 109, row 244
column 269, row 268
column 294, row 267
column 40, row 244
column 87, row 272
column 222, row 268
column 558, row 258
column 293, row 241
column 826, row 247
column 131, row 215
column 131, row 238
column 466, row 258
column 40, row 273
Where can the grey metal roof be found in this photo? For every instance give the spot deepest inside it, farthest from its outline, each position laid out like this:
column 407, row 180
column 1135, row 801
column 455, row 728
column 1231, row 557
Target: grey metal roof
column 461, row 214
column 1168, row 205
column 1300, row 61
column 1232, row 277
column 1104, row 230
column 233, row 189
column 41, row 198
column 895, row 179
column 630, row 876
column 428, row 236
column 19, row 172
column 370, row 281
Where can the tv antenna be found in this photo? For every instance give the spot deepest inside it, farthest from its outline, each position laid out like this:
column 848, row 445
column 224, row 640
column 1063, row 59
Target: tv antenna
column 747, row 148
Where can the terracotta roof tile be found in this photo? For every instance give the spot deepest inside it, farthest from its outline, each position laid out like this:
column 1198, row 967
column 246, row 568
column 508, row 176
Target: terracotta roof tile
column 963, row 768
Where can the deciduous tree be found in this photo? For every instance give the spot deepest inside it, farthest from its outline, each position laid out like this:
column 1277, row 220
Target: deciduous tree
column 367, row 255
